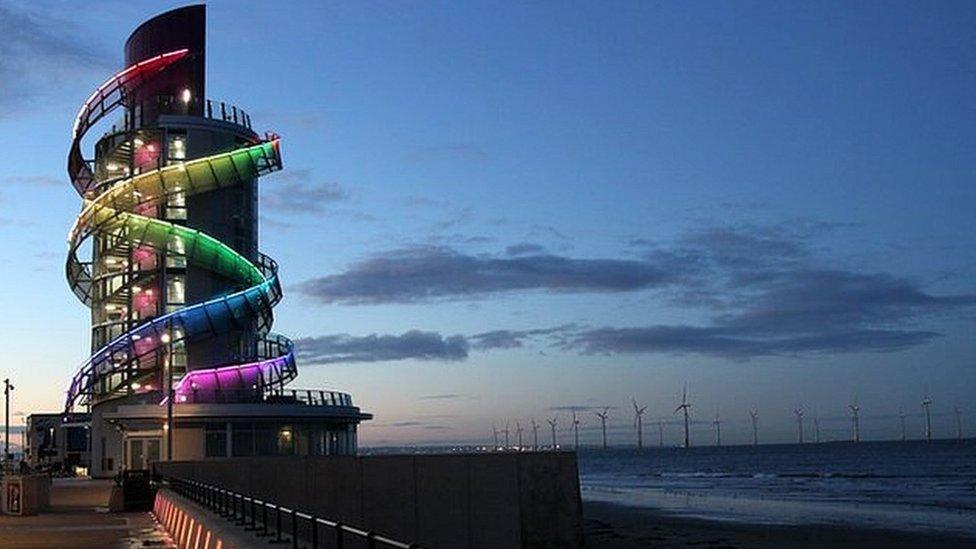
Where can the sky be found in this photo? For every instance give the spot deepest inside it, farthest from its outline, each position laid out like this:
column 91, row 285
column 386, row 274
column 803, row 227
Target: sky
column 491, row 212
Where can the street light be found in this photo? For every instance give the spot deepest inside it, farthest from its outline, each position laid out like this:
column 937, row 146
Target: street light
column 7, row 387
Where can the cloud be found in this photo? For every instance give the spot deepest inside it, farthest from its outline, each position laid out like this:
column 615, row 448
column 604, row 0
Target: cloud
column 406, row 424
column 415, row 345
column 513, row 339
column 571, row 408
column 425, row 274
column 294, row 194
column 39, row 54
column 739, row 344
column 761, row 291
column 524, row 248
column 768, row 294
column 445, row 396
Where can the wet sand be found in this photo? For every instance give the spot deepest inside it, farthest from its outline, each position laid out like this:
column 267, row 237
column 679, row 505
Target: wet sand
column 614, row 526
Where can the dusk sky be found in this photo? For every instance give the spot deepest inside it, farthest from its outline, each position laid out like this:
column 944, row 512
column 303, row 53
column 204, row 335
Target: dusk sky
column 494, row 212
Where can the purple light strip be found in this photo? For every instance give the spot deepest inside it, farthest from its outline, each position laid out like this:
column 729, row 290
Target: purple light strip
column 230, row 378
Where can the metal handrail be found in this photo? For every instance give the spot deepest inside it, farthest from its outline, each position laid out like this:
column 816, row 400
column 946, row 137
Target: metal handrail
column 267, row 519
column 269, row 393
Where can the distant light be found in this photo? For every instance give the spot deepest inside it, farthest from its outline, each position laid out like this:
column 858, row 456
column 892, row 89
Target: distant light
column 135, row 386
column 164, row 338
column 185, row 95
column 137, row 142
column 136, row 289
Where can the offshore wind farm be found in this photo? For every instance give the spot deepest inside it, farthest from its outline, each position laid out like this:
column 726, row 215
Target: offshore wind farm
column 889, row 427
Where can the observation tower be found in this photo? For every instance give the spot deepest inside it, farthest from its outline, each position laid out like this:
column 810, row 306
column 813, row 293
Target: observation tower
column 184, row 364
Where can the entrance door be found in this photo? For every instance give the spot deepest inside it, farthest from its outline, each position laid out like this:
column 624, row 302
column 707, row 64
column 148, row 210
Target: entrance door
column 137, row 454
column 142, row 451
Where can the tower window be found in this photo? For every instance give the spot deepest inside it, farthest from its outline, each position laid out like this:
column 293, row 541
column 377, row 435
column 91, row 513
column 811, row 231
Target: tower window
column 176, row 150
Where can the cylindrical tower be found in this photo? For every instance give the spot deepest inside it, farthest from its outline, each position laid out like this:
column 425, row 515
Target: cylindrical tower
column 181, row 299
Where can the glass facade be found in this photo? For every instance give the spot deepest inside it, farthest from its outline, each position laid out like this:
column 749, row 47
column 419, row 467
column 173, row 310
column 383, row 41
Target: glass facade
column 269, row 438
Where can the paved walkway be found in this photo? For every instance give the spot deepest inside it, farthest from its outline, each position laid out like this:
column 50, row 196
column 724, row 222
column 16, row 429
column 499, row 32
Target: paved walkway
column 79, row 517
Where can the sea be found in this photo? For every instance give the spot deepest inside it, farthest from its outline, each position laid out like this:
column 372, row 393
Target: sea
column 913, row 485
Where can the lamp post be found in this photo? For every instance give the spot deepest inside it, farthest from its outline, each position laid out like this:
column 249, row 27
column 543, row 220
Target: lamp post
column 7, row 387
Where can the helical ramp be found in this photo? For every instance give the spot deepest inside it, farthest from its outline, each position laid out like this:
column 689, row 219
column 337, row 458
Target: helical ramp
column 115, row 212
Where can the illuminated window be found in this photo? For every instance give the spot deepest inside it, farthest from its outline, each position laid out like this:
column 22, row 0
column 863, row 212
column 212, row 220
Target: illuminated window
column 176, row 205
column 177, row 148
column 286, row 441
column 176, row 258
column 178, row 354
column 175, row 289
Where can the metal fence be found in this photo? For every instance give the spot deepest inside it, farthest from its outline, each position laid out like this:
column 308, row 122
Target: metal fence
column 277, row 523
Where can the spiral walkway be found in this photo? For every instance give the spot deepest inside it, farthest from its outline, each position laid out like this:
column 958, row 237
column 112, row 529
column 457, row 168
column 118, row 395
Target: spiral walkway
column 134, row 362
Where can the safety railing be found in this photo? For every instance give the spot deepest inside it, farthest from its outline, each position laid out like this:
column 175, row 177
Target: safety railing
column 278, row 523
column 305, row 397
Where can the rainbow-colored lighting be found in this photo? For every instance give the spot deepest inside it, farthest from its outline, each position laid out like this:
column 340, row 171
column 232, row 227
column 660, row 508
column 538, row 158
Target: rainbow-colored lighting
column 123, row 212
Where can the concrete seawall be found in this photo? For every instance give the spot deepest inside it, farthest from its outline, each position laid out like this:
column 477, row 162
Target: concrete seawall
column 474, row 501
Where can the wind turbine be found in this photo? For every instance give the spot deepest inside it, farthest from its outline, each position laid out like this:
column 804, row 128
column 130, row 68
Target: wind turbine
column 816, row 426
column 518, row 433
column 494, row 432
column 927, row 404
column 684, row 406
column 958, row 423
column 660, row 429
column 535, row 434
column 754, row 414
column 901, row 417
column 639, row 423
column 576, row 424
column 552, row 427
column 856, row 419
column 603, row 423
column 718, row 429
column 505, row 430
column 799, row 423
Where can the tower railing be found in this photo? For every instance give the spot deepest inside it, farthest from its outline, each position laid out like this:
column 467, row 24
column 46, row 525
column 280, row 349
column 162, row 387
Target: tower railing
column 172, row 105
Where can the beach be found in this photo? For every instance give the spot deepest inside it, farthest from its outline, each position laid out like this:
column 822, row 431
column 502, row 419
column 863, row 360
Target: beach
column 615, row 526
column 873, row 494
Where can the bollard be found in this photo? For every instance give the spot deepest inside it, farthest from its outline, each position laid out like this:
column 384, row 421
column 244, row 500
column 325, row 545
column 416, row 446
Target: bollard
column 339, row 540
column 315, row 533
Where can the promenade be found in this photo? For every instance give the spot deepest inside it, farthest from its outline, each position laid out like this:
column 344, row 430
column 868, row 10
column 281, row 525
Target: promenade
column 79, row 517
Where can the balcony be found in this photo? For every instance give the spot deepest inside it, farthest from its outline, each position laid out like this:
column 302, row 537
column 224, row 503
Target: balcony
column 305, row 397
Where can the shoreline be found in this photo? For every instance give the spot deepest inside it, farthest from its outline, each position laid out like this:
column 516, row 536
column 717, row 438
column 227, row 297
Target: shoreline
column 620, row 526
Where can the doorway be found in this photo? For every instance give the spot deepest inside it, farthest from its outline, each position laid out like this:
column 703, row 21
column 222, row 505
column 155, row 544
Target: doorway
column 140, row 451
